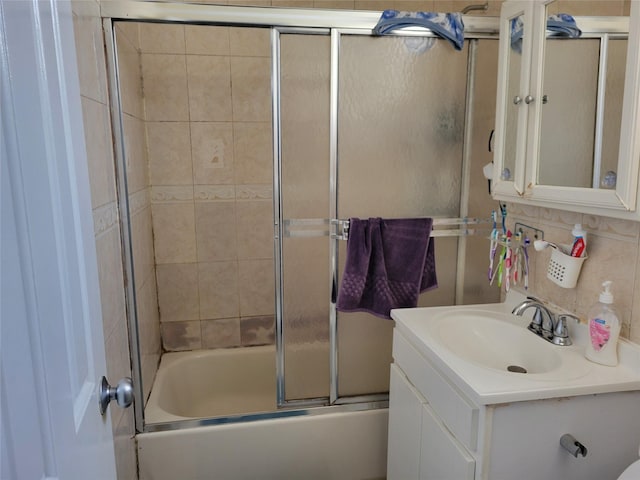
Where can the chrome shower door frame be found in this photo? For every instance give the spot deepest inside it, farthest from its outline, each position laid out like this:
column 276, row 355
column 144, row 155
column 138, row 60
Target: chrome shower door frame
column 281, row 21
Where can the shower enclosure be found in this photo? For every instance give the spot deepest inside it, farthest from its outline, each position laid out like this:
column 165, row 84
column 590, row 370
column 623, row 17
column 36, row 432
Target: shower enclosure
column 245, row 137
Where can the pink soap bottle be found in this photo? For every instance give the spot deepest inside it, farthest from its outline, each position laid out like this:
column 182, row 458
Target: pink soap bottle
column 604, row 329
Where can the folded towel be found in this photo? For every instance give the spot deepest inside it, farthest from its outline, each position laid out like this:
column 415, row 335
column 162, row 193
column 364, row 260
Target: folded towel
column 517, row 27
column 389, row 263
column 562, row 23
column 447, row 25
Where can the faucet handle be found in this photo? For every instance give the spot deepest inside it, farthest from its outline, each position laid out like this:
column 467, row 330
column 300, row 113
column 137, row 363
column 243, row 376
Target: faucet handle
column 560, row 332
column 536, row 322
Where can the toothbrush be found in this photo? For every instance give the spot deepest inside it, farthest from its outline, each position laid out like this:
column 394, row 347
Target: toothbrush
column 517, row 262
column 508, row 263
column 493, row 246
column 527, row 242
column 498, row 272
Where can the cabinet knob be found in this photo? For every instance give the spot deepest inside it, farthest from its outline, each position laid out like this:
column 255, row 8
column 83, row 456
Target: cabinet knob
column 528, row 99
column 517, row 100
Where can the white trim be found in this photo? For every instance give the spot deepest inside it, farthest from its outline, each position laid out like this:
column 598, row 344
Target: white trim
column 511, row 188
column 629, row 153
column 263, row 16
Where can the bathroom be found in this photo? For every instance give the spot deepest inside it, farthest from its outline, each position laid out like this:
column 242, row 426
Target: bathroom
column 607, row 236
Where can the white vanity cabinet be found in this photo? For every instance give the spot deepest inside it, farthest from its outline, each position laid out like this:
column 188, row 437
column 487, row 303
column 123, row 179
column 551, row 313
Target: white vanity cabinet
column 420, row 445
column 553, row 94
column 437, row 432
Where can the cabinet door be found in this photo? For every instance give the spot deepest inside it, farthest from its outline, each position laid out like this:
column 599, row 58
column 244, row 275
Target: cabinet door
column 512, row 112
column 405, row 411
column 442, row 457
column 569, row 150
column 525, row 437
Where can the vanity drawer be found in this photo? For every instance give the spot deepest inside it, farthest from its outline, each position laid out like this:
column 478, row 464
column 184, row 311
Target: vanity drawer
column 457, row 412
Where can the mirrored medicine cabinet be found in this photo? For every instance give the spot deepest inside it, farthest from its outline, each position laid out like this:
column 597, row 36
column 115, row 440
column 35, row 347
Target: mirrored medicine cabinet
column 567, row 110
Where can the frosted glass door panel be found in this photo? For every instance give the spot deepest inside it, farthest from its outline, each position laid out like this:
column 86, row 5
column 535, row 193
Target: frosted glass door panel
column 476, row 285
column 306, row 317
column 400, row 131
column 364, row 340
column 400, row 128
column 304, row 64
column 305, row 194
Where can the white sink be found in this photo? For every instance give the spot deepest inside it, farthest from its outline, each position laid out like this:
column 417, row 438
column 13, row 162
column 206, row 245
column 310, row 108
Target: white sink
column 474, row 346
column 493, row 340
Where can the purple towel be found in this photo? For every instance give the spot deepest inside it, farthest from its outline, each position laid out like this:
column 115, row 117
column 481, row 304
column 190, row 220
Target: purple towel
column 389, row 263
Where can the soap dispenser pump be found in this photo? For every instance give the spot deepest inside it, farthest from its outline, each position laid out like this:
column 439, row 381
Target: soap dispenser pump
column 604, row 329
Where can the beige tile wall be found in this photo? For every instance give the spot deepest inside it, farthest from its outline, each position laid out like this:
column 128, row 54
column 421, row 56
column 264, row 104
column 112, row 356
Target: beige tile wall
column 612, row 246
column 137, row 173
column 97, row 128
column 207, row 101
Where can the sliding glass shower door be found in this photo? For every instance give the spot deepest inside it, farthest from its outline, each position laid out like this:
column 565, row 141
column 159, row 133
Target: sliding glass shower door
column 401, row 122
column 387, row 141
column 304, row 180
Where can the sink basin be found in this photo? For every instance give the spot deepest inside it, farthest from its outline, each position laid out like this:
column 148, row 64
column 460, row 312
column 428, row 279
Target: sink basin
column 493, row 340
column 484, row 350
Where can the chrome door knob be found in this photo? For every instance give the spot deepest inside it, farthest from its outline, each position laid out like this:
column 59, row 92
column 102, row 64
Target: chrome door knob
column 517, row 100
column 122, row 393
column 528, row 99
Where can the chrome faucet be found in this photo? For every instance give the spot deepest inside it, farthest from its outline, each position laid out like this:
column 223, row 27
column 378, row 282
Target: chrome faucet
column 544, row 322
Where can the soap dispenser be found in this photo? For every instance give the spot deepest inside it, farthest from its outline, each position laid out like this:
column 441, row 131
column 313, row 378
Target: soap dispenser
column 604, row 329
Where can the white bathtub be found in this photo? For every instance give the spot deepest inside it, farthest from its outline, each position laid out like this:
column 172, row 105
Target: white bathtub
column 212, row 383
column 332, row 445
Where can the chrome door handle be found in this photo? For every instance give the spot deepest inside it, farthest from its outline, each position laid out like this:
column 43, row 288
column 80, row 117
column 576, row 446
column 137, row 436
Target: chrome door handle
column 517, row 100
column 528, row 99
column 121, row 393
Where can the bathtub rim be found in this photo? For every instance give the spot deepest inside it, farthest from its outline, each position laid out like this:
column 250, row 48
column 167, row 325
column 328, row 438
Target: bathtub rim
column 316, row 406
column 381, row 402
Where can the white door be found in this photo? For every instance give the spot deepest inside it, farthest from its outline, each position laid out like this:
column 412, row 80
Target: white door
column 52, row 347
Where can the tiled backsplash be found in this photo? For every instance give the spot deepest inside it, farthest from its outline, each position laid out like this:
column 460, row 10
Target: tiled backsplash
column 612, row 248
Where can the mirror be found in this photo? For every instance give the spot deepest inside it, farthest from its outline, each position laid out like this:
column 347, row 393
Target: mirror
column 581, row 112
column 513, row 100
column 614, row 98
column 583, row 88
column 568, row 120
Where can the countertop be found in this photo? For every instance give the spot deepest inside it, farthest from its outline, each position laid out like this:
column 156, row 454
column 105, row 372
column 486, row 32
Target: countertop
column 485, row 386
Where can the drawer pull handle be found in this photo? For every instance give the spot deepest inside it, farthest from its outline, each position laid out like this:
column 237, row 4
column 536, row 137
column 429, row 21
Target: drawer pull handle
column 571, row 445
